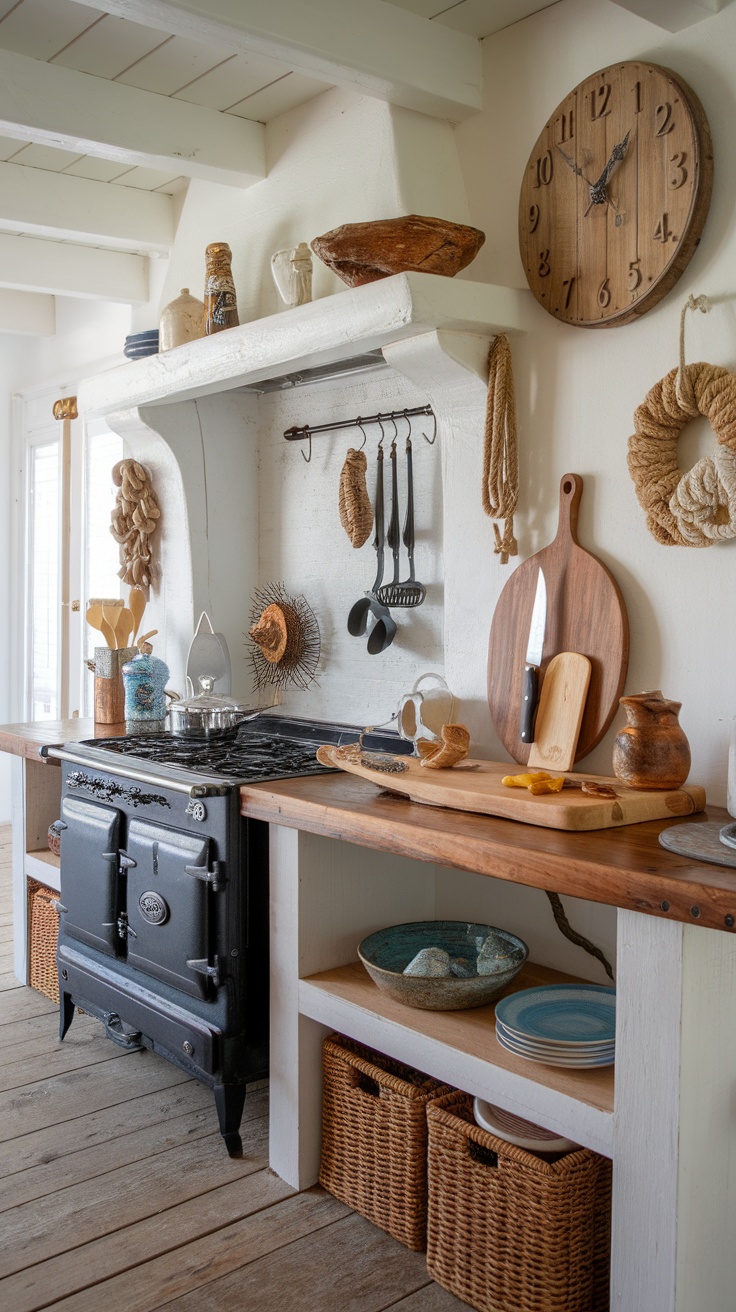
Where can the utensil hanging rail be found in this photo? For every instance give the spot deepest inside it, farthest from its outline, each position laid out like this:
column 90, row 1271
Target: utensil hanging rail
column 299, row 434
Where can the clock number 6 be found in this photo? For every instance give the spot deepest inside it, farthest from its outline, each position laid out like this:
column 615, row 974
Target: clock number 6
column 604, row 295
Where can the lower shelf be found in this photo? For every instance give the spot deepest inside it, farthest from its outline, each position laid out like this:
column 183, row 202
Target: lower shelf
column 461, row 1048
column 43, row 865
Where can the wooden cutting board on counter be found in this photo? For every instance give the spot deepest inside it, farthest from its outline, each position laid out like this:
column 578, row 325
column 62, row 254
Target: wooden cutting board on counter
column 586, row 613
column 480, row 789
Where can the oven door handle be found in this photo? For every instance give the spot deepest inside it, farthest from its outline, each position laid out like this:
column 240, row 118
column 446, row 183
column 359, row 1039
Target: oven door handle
column 127, row 772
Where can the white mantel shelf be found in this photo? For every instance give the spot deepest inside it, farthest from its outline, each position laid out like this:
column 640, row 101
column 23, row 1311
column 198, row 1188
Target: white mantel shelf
column 334, row 328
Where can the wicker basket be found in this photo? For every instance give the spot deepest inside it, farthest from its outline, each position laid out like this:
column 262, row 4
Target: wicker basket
column 43, row 933
column 509, row 1231
column 374, row 1137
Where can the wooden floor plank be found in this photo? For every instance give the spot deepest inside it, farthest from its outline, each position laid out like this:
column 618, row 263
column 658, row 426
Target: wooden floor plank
column 430, row 1298
column 170, row 1250
column 21, row 1003
column 350, row 1265
column 191, row 1116
column 8, row 981
column 47, row 1146
column 45, row 1026
column 61, row 1221
column 42, row 1058
column 64, row 1097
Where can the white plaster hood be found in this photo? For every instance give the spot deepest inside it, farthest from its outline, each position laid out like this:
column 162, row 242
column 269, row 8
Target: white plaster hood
column 187, row 414
column 335, row 328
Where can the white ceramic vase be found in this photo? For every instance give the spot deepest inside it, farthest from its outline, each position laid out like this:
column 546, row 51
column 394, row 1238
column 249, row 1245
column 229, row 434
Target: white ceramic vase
column 292, row 273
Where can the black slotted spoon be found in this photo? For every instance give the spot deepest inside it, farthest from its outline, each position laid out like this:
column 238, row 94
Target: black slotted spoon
column 410, row 593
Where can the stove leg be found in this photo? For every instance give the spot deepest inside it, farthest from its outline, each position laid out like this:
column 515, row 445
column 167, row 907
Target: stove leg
column 66, row 1013
column 229, row 1101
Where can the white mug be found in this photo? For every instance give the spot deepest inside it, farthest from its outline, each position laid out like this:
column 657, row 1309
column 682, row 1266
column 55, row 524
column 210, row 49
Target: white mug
column 422, row 714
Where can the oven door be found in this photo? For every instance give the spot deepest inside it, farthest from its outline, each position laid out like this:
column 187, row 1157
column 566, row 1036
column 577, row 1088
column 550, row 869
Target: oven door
column 90, row 886
column 169, row 907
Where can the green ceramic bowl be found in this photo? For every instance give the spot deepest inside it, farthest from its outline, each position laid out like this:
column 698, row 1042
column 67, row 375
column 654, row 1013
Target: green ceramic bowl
column 386, row 953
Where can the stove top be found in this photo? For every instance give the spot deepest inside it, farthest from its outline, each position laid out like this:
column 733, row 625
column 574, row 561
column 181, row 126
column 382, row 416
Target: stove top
column 270, row 747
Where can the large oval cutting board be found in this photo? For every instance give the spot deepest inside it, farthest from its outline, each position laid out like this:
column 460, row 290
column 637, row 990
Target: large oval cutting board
column 586, row 613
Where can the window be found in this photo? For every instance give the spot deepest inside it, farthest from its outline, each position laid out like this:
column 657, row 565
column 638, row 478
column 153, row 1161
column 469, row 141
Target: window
column 56, row 641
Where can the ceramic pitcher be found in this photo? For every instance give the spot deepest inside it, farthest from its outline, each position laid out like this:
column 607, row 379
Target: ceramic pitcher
column 423, row 711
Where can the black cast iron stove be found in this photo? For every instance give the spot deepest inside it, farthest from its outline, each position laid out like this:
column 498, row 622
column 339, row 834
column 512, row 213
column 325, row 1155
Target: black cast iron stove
column 163, row 924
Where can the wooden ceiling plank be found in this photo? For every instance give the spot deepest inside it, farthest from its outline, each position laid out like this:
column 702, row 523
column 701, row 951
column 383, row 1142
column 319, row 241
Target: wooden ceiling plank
column 227, row 85
column 672, row 15
column 27, row 313
column 60, row 206
column 41, row 28
column 59, row 107
column 61, row 269
column 283, row 94
column 109, row 47
column 365, row 45
column 173, row 65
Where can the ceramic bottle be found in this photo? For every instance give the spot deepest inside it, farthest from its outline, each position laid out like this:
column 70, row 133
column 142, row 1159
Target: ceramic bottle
column 292, row 273
column 220, row 301
column 182, row 320
column 651, row 751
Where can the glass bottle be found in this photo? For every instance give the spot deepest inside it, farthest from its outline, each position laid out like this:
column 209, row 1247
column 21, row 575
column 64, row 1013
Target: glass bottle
column 220, row 301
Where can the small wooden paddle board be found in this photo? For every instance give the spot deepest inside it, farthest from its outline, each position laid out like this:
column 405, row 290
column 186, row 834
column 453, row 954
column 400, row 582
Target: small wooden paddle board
column 476, row 786
column 586, row 613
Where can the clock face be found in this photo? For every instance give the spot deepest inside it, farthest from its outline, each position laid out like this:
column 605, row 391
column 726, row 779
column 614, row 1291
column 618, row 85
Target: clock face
column 615, row 195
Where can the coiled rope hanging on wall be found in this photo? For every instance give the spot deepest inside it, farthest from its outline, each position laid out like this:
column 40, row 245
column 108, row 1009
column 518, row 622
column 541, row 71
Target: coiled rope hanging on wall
column 500, row 488
column 697, row 508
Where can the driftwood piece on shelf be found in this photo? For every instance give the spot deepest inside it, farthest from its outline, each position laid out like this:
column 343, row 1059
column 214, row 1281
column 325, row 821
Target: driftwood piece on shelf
column 363, row 252
column 134, row 521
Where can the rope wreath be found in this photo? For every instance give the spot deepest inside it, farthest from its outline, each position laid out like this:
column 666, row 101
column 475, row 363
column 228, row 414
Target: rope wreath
column 500, row 490
column 697, row 508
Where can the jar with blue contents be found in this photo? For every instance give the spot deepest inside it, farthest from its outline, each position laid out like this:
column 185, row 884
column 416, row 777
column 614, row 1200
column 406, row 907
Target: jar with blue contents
column 144, row 679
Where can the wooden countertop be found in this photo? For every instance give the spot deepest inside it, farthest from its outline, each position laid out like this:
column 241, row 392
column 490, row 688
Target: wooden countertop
column 26, row 739
column 623, row 867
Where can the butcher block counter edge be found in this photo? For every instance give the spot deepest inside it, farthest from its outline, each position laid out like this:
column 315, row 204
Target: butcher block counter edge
column 623, row 867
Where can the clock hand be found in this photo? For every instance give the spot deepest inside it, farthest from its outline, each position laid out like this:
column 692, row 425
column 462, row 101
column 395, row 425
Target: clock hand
column 597, row 189
column 571, row 163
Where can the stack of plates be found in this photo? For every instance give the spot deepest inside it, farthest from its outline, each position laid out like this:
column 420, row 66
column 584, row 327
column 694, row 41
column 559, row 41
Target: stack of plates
column 140, row 344
column 560, row 1024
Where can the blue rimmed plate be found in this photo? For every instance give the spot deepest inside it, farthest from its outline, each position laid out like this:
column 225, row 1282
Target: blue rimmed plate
column 558, row 1049
column 561, row 1013
column 564, row 1060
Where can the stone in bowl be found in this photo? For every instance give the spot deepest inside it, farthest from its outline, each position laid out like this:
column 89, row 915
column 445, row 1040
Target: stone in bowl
column 364, row 252
column 388, row 952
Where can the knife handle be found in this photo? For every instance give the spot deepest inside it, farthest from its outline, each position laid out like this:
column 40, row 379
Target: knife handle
column 529, row 694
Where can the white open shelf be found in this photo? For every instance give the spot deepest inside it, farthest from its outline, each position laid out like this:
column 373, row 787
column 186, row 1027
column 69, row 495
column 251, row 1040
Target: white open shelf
column 43, row 865
column 460, row 1048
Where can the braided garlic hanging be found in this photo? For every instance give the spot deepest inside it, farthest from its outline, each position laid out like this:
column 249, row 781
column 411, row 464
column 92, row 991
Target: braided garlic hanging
column 134, row 520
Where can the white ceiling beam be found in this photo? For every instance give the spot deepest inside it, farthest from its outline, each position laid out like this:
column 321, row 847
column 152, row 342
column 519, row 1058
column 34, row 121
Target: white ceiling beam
column 55, row 268
column 364, row 45
column 60, row 206
column 27, row 313
column 57, row 106
column 672, row 15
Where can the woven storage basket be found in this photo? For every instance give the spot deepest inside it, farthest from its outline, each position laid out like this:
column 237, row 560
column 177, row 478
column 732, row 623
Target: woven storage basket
column 509, row 1231
column 374, row 1137
column 43, row 933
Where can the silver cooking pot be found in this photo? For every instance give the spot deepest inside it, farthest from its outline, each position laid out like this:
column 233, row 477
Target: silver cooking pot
column 206, row 715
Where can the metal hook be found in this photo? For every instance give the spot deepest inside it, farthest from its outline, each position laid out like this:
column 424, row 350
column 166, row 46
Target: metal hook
column 365, row 435
column 380, row 425
column 307, row 459
column 431, row 440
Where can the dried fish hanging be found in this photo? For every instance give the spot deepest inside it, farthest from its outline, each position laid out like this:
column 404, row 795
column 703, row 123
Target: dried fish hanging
column 134, row 521
column 500, row 490
column 356, row 511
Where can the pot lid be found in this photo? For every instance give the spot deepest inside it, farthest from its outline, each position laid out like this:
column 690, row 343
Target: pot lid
column 206, row 699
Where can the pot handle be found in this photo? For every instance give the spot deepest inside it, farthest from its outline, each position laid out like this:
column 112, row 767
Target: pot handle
column 173, row 696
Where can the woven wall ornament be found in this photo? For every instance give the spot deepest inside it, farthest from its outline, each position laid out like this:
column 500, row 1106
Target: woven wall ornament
column 356, row 511
column 285, row 639
column 134, row 521
column 696, row 508
column 500, row 487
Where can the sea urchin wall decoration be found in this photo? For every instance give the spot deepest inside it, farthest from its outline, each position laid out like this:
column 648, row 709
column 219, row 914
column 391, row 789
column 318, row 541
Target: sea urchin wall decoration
column 134, row 521
column 285, row 639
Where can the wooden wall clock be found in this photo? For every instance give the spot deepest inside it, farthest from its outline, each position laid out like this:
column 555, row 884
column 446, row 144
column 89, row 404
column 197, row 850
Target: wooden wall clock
column 615, row 195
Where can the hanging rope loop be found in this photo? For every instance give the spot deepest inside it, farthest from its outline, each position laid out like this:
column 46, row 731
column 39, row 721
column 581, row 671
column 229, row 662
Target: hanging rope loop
column 500, row 489
column 698, row 507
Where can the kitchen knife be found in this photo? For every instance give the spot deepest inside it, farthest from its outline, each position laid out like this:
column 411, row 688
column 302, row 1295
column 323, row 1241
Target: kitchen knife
column 535, row 644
